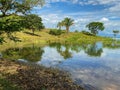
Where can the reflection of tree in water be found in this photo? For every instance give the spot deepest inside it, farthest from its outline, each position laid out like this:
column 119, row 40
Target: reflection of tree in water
column 113, row 45
column 28, row 53
column 32, row 54
column 11, row 53
column 94, row 50
column 65, row 53
column 91, row 49
column 76, row 48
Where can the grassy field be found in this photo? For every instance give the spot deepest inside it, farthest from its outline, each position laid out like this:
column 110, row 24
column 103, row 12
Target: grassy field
column 43, row 38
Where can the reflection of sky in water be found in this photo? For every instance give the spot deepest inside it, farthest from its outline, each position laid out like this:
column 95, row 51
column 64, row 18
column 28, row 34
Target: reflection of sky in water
column 102, row 72
column 51, row 57
column 89, row 65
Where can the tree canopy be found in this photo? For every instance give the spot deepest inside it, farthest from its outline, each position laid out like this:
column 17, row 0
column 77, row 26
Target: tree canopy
column 94, row 27
column 8, row 7
column 33, row 22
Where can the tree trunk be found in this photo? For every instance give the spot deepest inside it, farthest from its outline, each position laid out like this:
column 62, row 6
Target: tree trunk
column 33, row 31
column 67, row 29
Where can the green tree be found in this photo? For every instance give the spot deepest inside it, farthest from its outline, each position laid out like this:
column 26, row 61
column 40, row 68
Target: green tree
column 33, row 22
column 11, row 24
column 94, row 27
column 115, row 32
column 67, row 22
column 59, row 25
column 8, row 7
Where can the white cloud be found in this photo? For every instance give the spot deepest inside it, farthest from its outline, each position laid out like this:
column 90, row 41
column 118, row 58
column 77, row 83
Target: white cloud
column 104, row 19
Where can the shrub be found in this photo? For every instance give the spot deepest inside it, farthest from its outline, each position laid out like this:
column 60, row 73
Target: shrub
column 55, row 32
column 87, row 33
column 76, row 31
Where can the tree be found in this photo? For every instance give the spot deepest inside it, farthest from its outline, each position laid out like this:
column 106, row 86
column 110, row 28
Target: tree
column 67, row 22
column 115, row 32
column 10, row 24
column 8, row 7
column 59, row 25
column 33, row 22
column 94, row 27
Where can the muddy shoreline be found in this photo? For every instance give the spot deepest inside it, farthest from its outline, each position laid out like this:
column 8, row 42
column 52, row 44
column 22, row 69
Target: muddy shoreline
column 27, row 77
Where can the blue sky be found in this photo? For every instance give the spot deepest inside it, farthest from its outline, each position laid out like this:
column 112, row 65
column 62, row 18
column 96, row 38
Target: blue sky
column 83, row 12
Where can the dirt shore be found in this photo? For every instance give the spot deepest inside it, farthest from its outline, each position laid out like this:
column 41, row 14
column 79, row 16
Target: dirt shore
column 27, row 77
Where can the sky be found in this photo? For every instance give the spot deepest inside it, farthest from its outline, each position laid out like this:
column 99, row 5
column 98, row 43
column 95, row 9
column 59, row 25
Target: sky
column 83, row 12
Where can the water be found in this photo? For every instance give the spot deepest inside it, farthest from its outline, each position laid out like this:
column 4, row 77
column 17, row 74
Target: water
column 93, row 66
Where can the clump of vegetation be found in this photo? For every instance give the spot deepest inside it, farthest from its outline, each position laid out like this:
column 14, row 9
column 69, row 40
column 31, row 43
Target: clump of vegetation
column 55, row 32
column 76, row 31
column 87, row 33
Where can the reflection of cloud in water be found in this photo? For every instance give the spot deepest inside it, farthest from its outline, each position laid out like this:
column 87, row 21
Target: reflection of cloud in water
column 102, row 72
column 51, row 57
column 99, row 73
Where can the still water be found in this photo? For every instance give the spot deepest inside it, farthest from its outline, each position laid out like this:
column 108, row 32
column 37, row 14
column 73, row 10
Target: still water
column 94, row 66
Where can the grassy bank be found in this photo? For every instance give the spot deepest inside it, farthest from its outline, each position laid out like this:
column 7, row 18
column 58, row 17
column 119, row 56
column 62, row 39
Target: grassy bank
column 43, row 37
column 17, row 76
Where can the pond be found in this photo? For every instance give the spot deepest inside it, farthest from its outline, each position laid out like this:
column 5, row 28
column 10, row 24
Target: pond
column 94, row 66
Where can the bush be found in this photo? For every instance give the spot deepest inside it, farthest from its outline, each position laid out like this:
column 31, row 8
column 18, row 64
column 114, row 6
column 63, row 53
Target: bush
column 76, row 31
column 87, row 33
column 55, row 32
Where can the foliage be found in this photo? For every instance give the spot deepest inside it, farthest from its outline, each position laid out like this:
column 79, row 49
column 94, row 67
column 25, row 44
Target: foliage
column 33, row 22
column 94, row 27
column 18, row 6
column 55, row 32
column 10, row 24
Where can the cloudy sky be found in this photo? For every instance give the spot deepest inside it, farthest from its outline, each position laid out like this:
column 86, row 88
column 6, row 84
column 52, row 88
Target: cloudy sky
column 83, row 12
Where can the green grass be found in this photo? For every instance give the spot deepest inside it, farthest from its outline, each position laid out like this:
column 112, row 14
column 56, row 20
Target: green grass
column 43, row 37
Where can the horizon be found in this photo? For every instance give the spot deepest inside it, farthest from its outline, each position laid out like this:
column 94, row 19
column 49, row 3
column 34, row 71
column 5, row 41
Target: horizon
column 83, row 12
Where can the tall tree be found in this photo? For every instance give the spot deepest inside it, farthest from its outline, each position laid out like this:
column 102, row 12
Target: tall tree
column 94, row 27
column 67, row 22
column 8, row 7
column 33, row 22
